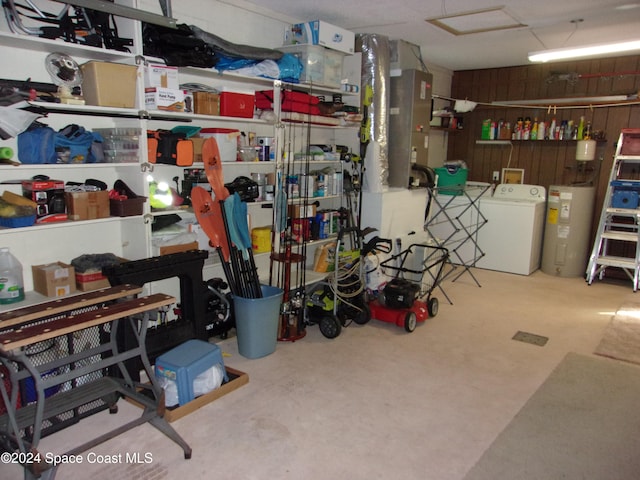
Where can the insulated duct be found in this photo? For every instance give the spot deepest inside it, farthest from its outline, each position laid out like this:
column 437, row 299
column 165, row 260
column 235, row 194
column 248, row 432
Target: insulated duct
column 375, row 75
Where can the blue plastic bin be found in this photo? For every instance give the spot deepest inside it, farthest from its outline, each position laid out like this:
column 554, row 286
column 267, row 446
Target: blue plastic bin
column 185, row 362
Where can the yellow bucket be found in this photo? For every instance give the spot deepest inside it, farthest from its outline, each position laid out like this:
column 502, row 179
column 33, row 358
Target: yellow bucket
column 261, row 239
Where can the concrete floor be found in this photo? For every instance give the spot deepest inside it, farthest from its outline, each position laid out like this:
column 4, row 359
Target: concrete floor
column 376, row 402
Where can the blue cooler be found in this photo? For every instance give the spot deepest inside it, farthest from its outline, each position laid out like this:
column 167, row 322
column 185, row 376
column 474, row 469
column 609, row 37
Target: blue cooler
column 185, row 362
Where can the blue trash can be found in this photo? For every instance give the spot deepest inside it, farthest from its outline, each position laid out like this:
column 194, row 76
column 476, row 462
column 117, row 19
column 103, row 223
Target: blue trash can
column 257, row 322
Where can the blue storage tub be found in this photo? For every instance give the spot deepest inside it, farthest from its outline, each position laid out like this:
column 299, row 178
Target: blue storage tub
column 185, row 362
column 624, row 199
column 626, row 194
column 16, row 222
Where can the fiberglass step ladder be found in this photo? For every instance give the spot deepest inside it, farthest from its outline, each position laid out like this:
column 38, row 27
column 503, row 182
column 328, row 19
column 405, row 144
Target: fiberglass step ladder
column 619, row 227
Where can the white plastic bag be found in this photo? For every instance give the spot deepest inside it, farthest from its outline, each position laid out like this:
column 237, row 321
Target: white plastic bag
column 170, row 391
column 208, row 380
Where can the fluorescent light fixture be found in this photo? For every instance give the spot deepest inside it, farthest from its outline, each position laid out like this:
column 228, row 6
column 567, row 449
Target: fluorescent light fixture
column 586, row 51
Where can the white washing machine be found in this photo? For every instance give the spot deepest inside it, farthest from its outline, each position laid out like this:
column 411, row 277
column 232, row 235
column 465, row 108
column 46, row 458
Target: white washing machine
column 512, row 237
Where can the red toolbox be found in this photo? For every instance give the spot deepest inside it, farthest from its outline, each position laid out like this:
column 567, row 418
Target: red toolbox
column 235, row 104
column 290, row 102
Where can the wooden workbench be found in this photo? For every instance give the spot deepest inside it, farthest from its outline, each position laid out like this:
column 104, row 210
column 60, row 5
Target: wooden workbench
column 99, row 366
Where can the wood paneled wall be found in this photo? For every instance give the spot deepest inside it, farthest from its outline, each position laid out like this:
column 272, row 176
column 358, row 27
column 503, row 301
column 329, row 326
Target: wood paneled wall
column 546, row 162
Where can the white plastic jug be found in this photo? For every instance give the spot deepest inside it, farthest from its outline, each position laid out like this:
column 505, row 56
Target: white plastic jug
column 11, row 281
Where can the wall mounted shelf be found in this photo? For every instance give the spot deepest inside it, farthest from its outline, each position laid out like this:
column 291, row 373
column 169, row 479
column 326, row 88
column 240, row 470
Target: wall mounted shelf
column 532, row 142
column 493, row 142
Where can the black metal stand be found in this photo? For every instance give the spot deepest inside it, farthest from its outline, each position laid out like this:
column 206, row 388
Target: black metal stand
column 187, row 266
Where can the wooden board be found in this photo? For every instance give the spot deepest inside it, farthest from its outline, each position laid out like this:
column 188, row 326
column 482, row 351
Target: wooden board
column 236, row 380
column 30, row 334
column 66, row 304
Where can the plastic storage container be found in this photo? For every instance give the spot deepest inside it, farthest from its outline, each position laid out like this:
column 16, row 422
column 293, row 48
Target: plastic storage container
column 121, row 145
column 185, row 362
column 320, row 65
column 126, row 208
column 227, row 139
column 11, row 280
column 237, row 104
column 257, row 322
column 451, row 179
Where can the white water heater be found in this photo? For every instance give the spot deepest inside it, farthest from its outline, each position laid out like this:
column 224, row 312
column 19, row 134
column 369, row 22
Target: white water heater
column 566, row 245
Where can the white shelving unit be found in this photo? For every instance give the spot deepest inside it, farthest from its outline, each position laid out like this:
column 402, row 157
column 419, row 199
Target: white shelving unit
column 131, row 237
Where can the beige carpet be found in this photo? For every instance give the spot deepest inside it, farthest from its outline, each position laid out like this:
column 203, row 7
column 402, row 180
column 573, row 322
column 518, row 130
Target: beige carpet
column 582, row 423
column 621, row 339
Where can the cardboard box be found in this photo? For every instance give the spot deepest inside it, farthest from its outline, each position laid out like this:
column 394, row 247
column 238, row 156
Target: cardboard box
column 300, row 211
column 87, row 205
column 206, row 103
column 168, row 99
column 197, row 148
column 161, row 76
column 54, row 279
column 236, row 104
column 92, row 279
column 183, row 247
column 93, row 285
column 109, row 84
column 321, row 33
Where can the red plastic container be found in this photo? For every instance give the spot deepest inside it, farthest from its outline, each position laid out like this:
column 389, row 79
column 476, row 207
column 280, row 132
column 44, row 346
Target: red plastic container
column 233, row 104
column 630, row 142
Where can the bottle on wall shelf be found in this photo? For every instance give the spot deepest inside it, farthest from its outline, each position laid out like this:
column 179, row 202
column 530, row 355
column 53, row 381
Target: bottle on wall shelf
column 11, row 281
column 568, row 134
column 526, row 132
column 542, row 127
column 486, row 129
column 517, row 129
column 534, row 129
column 580, row 133
column 552, row 130
column 524, row 128
column 506, row 135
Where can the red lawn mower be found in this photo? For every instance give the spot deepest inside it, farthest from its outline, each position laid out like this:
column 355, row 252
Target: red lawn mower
column 407, row 302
